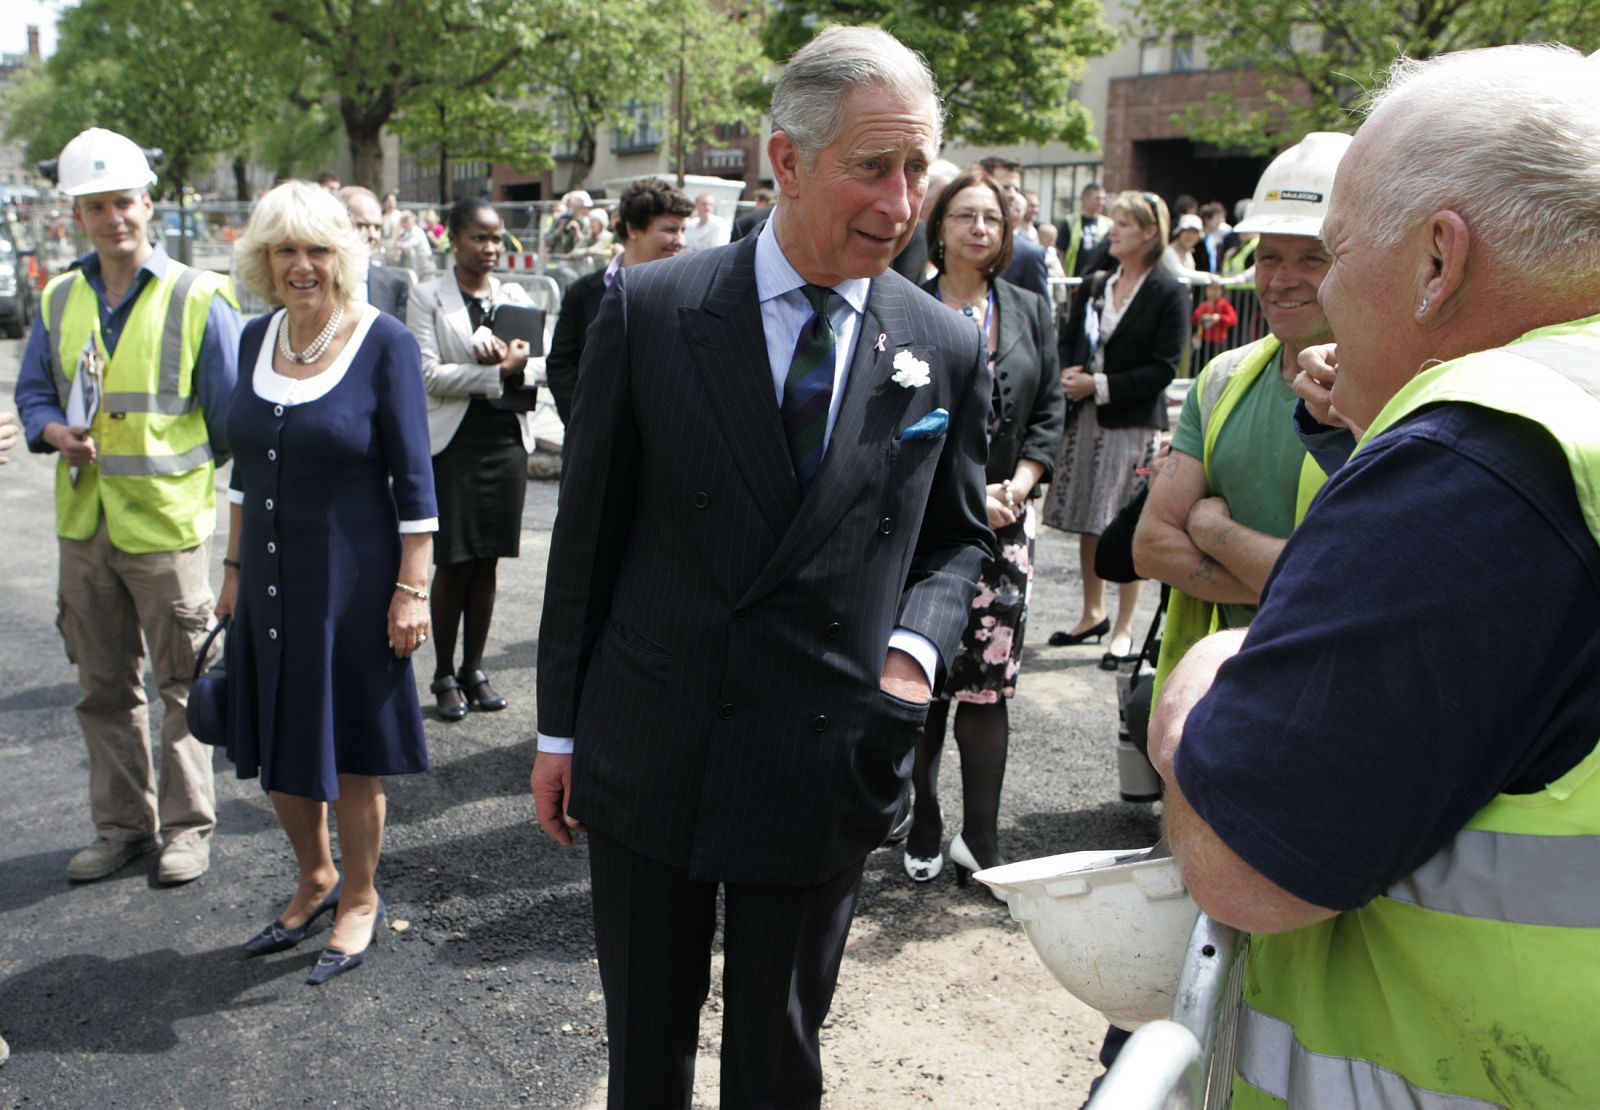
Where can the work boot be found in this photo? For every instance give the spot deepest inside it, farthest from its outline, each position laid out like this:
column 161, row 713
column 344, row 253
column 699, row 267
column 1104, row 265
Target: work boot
column 104, row 857
column 184, row 860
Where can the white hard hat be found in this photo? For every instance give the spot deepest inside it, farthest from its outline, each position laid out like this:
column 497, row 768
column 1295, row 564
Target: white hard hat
column 101, row 161
column 1292, row 196
column 1112, row 927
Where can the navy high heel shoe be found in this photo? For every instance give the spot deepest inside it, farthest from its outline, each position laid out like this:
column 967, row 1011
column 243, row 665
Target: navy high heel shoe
column 334, row 962
column 276, row 937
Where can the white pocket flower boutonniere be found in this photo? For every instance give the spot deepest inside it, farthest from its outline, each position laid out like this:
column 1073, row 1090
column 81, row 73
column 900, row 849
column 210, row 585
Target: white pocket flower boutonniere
column 910, row 371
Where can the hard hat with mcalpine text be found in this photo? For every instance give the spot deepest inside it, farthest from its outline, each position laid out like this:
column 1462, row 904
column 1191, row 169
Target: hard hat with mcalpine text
column 101, row 161
column 1292, row 196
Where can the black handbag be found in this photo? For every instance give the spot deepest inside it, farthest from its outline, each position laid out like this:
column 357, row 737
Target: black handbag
column 207, row 711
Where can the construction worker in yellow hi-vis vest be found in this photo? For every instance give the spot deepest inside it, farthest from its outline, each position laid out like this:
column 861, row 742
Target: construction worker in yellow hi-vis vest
column 1392, row 779
column 1228, row 496
column 1087, row 229
column 128, row 375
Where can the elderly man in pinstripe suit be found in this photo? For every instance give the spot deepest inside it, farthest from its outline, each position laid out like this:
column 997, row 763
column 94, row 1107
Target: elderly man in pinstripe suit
column 770, row 526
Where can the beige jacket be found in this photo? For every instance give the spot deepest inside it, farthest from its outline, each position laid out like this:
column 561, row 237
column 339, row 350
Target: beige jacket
column 450, row 373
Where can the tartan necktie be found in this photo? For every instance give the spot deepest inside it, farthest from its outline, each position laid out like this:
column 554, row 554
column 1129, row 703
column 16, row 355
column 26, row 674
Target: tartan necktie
column 808, row 390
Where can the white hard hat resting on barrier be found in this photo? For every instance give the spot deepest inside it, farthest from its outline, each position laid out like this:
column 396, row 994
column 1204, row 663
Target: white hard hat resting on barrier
column 1292, row 196
column 101, row 161
column 1112, row 927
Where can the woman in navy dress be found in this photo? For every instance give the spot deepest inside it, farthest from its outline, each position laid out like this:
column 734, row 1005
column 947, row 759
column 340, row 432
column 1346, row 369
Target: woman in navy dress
column 332, row 519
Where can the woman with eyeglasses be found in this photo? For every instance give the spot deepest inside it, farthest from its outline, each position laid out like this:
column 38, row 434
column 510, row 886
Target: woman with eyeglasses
column 970, row 246
column 1125, row 337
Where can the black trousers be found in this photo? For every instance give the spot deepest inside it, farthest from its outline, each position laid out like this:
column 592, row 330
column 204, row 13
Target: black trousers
column 782, row 948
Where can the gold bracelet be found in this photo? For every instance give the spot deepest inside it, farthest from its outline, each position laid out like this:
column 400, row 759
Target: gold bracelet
column 420, row 595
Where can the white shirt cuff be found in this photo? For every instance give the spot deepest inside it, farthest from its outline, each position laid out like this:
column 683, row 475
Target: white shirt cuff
column 236, row 497
column 920, row 648
column 555, row 745
column 1102, row 390
column 408, row 527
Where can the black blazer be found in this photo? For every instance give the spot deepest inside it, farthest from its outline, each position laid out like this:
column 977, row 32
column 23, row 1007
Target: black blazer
column 579, row 306
column 1027, row 269
column 388, row 291
column 1027, row 384
column 749, row 221
column 913, row 261
column 1142, row 355
column 712, row 641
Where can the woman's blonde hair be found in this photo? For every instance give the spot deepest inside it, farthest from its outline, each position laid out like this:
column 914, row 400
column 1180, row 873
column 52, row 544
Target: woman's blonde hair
column 304, row 213
column 1148, row 211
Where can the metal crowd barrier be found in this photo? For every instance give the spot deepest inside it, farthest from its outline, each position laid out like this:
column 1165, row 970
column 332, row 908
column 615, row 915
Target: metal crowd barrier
column 1187, row 1061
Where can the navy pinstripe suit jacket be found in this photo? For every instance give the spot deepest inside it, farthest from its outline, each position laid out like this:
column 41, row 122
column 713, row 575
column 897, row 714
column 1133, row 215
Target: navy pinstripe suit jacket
column 714, row 642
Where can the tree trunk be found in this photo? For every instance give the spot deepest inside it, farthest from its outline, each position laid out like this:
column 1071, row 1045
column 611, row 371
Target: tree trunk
column 583, row 161
column 241, row 180
column 444, row 160
column 363, row 125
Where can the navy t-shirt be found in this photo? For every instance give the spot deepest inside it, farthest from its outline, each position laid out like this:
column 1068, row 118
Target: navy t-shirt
column 1429, row 638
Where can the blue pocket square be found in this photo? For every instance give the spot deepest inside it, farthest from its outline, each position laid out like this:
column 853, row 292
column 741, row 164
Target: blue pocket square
column 931, row 426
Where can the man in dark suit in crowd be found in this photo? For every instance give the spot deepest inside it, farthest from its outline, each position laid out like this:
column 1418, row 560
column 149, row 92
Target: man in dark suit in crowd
column 650, row 219
column 770, row 525
column 387, row 290
column 753, row 218
column 1027, row 267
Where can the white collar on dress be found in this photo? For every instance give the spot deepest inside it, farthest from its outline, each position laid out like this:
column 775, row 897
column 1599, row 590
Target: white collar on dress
column 280, row 390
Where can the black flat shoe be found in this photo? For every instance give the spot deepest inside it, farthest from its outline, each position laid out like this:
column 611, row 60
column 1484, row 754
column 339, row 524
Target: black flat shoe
column 480, row 695
column 1069, row 639
column 451, row 702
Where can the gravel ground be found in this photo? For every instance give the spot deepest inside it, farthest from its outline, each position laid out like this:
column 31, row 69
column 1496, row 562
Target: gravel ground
column 123, row 993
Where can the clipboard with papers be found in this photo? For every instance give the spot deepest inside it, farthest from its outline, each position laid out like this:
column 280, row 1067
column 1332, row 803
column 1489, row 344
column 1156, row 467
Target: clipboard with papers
column 83, row 400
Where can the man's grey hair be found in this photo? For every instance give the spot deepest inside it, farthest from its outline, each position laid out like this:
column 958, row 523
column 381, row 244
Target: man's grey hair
column 808, row 102
column 351, row 192
column 941, row 172
column 1509, row 138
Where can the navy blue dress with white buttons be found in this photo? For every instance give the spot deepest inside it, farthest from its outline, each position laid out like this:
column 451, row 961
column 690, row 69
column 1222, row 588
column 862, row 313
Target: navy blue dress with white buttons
column 326, row 478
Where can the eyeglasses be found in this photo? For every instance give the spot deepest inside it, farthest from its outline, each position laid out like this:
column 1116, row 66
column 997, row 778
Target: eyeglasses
column 969, row 218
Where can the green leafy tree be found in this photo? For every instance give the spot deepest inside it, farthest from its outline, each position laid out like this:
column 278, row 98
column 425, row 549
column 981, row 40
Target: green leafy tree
column 1005, row 71
column 1316, row 59
column 377, row 53
column 598, row 60
column 475, row 124
column 39, row 116
column 166, row 73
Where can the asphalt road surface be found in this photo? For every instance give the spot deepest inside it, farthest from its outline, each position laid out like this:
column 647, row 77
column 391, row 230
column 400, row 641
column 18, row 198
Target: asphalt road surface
column 125, row 993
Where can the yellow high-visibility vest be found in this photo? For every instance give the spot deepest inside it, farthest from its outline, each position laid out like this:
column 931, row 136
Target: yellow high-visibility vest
column 154, row 477
column 1475, row 980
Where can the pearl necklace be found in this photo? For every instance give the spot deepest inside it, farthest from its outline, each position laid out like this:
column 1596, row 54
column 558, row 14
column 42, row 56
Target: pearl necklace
column 318, row 345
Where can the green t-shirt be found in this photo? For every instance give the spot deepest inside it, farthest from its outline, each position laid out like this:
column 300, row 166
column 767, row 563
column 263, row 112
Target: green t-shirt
column 1255, row 466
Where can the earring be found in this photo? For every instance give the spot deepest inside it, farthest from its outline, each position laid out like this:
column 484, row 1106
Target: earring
column 1423, row 307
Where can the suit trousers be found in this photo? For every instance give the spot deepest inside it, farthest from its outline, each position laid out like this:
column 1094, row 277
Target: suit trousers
column 112, row 604
column 781, row 945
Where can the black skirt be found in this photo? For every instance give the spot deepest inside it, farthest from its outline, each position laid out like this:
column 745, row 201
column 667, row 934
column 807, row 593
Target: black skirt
column 481, row 478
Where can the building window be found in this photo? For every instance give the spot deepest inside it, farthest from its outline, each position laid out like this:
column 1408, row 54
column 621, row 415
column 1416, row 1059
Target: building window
column 1183, row 54
column 1150, row 59
column 645, row 134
